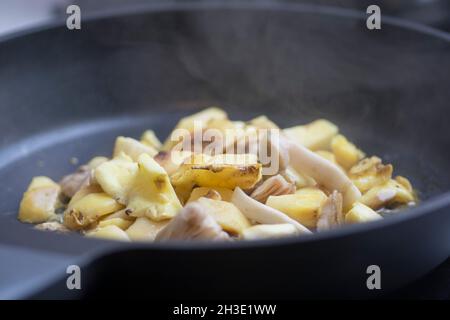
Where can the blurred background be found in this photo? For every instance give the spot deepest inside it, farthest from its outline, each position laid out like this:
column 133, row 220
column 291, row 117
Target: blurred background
column 17, row 15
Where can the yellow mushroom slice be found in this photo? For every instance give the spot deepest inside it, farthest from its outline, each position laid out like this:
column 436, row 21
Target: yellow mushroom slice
column 41, row 182
column 226, row 214
column 89, row 210
column 96, row 161
column 314, row 136
column 260, row 213
column 201, row 118
column 386, row 194
column 324, row 172
column 212, row 194
column 270, row 231
column 330, row 214
column 274, row 186
column 110, row 232
column 361, row 213
column 263, row 122
column 299, row 180
column 132, row 148
column 84, row 191
column 116, row 177
column 193, row 223
column 122, row 214
column 150, row 139
column 303, row 206
column 144, row 229
column 118, row 222
column 222, row 125
column 345, row 152
column 40, row 201
column 216, row 193
column 151, row 193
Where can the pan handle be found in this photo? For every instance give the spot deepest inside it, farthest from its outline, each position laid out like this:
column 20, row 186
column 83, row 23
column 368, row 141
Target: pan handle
column 40, row 273
column 35, row 264
column 25, row 272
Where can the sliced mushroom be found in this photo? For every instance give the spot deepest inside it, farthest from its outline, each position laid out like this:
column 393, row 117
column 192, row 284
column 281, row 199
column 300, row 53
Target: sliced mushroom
column 274, row 186
column 323, row 171
column 265, row 144
column 132, row 148
column 192, row 223
column 213, row 194
column 278, row 153
column 71, row 183
column 266, row 231
column 370, row 172
column 83, row 177
column 52, row 226
column 171, row 160
column 39, row 204
column 261, row 213
column 330, row 214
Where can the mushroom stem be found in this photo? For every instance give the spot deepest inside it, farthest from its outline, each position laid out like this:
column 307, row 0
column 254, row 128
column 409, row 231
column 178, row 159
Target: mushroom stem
column 323, row 171
column 261, row 213
column 192, row 223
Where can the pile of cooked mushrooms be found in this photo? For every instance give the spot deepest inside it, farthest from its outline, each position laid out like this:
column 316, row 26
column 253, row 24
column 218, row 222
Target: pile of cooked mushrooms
column 149, row 191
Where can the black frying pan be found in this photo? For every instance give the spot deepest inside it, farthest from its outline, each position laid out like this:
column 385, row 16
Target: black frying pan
column 67, row 94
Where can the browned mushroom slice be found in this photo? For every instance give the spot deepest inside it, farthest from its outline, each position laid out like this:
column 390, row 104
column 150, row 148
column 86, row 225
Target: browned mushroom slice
column 192, row 223
column 274, row 186
column 330, row 214
column 370, row 172
column 71, row 183
column 84, row 176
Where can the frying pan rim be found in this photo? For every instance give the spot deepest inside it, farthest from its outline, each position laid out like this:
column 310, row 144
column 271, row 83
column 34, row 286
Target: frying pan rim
column 235, row 5
column 427, row 207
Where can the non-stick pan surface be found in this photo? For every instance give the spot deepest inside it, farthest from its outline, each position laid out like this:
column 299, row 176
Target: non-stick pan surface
column 67, row 94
